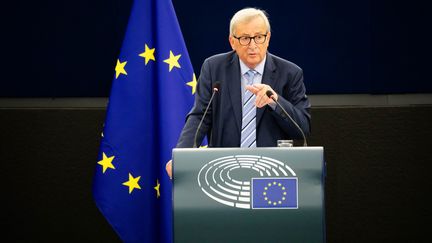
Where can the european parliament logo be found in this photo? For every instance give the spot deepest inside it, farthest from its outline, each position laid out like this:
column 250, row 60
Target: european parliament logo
column 250, row 182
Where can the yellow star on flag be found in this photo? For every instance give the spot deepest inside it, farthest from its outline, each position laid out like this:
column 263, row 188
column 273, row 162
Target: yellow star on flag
column 157, row 189
column 173, row 61
column 148, row 54
column 106, row 162
column 120, row 68
column 193, row 84
column 132, row 183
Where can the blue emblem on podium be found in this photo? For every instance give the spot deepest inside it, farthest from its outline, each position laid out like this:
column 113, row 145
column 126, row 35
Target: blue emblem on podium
column 275, row 193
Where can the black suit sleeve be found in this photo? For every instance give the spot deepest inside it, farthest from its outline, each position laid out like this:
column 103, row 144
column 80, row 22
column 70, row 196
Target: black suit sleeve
column 296, row 103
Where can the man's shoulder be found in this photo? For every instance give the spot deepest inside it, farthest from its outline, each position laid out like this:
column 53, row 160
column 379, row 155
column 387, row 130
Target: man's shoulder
column 221, row 57
column 281, row 62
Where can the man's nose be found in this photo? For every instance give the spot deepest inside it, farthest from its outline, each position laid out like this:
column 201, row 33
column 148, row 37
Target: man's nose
column 252, row 44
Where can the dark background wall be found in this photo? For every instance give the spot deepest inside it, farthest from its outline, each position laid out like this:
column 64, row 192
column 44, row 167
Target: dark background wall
column 378, row 170
column 378, row 158
column 69, row 48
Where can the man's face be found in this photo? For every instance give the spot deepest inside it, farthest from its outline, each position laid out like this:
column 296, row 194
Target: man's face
column 253, row 53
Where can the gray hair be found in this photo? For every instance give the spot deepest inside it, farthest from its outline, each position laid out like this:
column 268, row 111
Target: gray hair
column 247, row 14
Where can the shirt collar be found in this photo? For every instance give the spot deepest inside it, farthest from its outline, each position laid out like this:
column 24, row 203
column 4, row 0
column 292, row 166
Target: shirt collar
column 259, row 68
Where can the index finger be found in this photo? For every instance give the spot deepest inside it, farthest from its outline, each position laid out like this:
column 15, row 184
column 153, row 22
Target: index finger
column 252, row 89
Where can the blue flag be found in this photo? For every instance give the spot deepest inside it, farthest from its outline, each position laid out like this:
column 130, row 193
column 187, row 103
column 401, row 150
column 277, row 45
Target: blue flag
column 277, row 192
column 151, row 94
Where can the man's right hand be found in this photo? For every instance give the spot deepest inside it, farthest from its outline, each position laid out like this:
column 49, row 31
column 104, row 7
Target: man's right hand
column 168, row 168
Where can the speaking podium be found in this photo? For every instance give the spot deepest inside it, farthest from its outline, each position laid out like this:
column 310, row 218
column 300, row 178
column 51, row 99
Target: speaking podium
column 249, row 195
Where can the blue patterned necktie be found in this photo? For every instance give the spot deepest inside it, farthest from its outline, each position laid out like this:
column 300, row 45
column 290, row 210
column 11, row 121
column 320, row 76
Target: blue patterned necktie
column 248, row 131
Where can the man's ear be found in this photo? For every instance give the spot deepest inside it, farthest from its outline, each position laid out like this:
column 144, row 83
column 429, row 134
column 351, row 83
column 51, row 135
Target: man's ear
column 268, row 37
column 231, row 41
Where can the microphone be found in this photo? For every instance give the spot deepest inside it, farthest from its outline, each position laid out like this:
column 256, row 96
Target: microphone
column 216, row 87
column 269, row 93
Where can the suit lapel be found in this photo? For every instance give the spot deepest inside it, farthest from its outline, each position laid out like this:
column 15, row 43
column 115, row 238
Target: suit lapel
column 234, row 86
column 269, row 79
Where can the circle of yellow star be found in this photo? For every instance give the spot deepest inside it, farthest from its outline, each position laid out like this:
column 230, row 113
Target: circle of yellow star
column 193, row 84
column 157, row 187
column 132, row 183
column 270, row 202
column 148, row 54
column 106, row 162
column 120, row 68
column 173, row 61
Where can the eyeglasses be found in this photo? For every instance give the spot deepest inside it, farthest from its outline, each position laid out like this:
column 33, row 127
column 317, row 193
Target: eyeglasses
column 245, row 40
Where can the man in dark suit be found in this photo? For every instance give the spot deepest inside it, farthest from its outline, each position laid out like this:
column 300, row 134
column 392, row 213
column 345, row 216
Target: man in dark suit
column 241, row 114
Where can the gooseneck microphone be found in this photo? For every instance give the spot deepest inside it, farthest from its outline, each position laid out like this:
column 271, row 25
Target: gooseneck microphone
column 216, row 87
column 269, row 93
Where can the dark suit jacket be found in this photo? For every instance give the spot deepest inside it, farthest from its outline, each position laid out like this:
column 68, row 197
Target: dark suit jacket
column 222, row 123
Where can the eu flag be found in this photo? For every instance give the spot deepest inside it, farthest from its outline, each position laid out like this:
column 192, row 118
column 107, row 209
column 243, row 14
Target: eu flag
column 277, row 192
column 151, row 93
